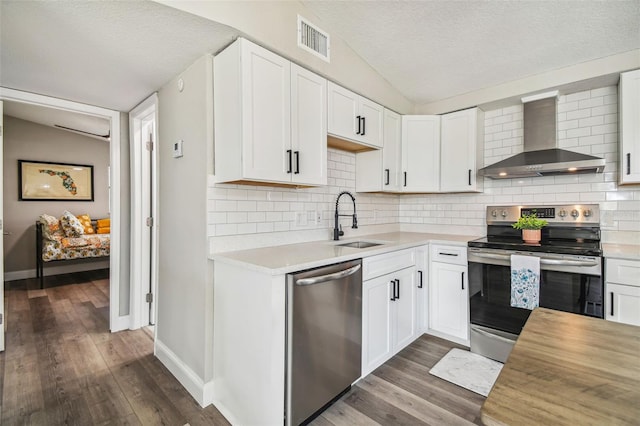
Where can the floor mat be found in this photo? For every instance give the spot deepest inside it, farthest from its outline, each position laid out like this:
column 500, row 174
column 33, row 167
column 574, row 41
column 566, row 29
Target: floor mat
column 468, row 370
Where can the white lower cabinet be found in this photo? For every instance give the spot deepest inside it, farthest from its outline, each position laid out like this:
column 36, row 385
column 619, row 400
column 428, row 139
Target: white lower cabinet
column 622, row 288
column 623, row 304
column 388, row 316
column 422, row 289
column 448, row 300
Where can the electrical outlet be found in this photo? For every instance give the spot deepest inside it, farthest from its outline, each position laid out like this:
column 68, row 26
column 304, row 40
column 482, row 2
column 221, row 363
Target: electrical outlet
column 318, row 217
column 311, row 217
column 301, row 219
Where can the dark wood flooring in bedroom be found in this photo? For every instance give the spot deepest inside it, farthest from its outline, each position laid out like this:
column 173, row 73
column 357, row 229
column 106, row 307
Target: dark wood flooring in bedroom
column 61, row 366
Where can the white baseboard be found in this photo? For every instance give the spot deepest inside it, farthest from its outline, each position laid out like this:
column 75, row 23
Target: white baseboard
column 200, row 391
column 56, row 270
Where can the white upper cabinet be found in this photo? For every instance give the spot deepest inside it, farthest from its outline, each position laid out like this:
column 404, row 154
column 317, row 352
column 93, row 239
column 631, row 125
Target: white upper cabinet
column 629, row 117
column 420, row 153
column 308, row 126
column 353, row 117
column 269, row 118
column 379, row 170
column 461, row 150
column 392, row 151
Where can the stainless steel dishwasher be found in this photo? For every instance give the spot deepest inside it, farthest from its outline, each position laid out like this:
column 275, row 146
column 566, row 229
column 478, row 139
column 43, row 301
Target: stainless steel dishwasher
column 324, row 337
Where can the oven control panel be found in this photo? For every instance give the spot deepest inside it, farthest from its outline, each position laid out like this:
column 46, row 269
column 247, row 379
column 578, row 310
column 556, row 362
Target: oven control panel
column 584, row 214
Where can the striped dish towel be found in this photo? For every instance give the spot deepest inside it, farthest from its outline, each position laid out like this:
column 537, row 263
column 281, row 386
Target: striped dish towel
column 525, row 281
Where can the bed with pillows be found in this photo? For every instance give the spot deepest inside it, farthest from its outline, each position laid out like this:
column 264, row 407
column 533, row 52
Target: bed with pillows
column 70, row 237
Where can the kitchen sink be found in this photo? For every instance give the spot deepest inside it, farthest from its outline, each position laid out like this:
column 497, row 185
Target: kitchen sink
column 359, row 244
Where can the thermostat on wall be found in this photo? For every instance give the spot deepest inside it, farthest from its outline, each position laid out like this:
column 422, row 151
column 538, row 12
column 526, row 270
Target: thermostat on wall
column 177, row 149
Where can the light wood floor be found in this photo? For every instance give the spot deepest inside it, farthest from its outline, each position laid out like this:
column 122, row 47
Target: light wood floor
column 63, row 367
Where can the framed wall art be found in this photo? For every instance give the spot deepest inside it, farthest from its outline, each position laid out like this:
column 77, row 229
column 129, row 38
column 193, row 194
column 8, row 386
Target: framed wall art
column 46, row 181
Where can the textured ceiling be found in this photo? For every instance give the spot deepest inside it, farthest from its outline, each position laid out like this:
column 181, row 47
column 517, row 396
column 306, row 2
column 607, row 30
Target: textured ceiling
column 111, row 54
column 433, row 50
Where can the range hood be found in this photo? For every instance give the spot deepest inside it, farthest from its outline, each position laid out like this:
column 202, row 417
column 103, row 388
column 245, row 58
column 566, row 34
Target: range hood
column 541, row 156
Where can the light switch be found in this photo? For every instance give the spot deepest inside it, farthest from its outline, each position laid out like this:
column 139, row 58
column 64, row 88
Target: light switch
column 177, row 149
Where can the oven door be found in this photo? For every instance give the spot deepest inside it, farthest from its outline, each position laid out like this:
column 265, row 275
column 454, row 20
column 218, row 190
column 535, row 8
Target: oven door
column 568, row 283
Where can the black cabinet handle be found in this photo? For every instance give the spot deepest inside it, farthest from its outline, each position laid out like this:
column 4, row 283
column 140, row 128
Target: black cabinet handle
column 405, row 178
column 611, row 303
column 469, row 177
column 397, row 288
column 297, row 154
column 393, row 289
column 628, row 166
column 364, row 126
column 448, row 254
column 386, row 179
column 420, row 282
column 462, row 280
column 359, row 124
column 290, row 161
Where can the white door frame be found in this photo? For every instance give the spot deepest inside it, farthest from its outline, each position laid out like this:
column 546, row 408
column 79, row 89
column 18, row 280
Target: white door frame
column 117, row 321
column 144, row 239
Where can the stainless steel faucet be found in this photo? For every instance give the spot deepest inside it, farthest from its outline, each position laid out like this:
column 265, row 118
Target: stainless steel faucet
column 337, row 229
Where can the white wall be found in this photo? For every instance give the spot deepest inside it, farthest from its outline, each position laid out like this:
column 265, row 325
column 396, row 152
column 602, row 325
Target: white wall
column 25, row 140
column 185, row 276
column 273, row 24
column 587, row 123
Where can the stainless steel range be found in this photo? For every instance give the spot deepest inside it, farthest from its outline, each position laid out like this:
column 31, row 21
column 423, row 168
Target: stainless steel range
column 570, row 271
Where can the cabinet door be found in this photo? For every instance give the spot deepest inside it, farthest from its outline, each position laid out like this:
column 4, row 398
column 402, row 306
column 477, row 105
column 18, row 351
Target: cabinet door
column 422, row 289
column 372, row 118
column 379, row 170
column 404, row 309
column 458, row 151
column 623, row 303
column 376, row 322
column 629, row 127
column 343, row 109
column 420, row 153
column 266, row 114
column 448, row 300
column 391, row 151
column 308, row 127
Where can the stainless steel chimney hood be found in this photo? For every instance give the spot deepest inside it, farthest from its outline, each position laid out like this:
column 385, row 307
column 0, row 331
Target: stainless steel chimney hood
column 541, row 156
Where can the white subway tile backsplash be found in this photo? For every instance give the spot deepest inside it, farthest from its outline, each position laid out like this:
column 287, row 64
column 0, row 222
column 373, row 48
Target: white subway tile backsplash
column 587, row 122
column 575, row 97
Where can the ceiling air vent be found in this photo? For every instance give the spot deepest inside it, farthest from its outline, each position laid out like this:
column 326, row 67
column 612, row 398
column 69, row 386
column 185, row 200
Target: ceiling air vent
column 313, row 39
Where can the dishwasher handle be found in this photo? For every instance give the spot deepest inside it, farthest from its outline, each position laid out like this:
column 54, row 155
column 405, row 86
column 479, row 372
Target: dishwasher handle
column 329, row 277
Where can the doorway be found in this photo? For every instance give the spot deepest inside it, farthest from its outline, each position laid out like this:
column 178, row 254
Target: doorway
column 117, row 320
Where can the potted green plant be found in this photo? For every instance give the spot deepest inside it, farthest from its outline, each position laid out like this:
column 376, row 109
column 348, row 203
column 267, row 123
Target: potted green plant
column 531, row 227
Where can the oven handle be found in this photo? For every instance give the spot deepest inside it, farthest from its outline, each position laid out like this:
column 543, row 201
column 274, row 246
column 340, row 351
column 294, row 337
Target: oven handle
column 543, row 260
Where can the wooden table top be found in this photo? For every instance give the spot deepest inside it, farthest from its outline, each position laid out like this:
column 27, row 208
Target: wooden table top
column 567, row 369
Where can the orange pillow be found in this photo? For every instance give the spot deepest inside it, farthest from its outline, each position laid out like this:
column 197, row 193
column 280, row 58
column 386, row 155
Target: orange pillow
column 85, row 220
column 104, row 223
column 104, row 230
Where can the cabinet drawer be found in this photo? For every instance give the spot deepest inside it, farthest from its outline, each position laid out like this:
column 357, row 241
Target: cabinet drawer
column 622, row 271
column 456, row 255
column 375, row 266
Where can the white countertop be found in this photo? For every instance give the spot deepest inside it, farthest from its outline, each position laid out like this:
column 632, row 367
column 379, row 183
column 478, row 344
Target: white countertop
column 284, row 259
column 621, row 251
